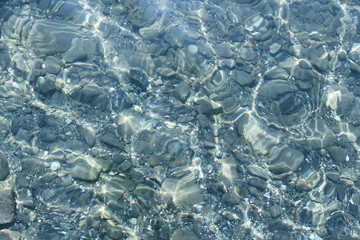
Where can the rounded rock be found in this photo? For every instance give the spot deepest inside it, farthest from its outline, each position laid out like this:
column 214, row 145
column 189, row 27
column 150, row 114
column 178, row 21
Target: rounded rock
column 275, row 211
column 305, row 64
column 193, row 49
column 342, row 55
column 184, row 234
column 85, row 169
column 54, row 166
column 274, row 48
column 4, row 167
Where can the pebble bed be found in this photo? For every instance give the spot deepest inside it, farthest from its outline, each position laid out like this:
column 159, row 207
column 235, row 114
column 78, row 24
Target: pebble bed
column 180, row 120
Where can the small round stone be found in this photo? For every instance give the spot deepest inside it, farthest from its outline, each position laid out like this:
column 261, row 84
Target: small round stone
column 305, row 64
column 275, row 211
column 342, row 55
column 54, row 166
column 193, row 49
column 274, row 48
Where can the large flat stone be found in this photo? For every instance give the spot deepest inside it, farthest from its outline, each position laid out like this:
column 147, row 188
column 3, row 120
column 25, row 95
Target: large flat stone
column 7, row 203
column 285, row 160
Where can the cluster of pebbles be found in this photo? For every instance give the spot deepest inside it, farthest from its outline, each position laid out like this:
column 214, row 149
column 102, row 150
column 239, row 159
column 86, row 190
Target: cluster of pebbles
column 181, row 120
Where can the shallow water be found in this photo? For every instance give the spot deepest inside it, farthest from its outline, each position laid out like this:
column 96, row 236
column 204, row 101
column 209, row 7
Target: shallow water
column 142, row 119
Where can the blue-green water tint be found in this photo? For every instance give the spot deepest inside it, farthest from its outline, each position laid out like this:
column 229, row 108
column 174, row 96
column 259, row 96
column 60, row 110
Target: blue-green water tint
column 179, row 119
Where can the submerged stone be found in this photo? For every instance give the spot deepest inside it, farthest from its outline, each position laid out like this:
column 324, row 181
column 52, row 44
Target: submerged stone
column 52, row 65
column 276, row 73
column 177, row 37
column 165, row 72
column 224, row 50
column 139, row 79
column 203, row 106
column 231, row 199
column 247, row 52
column 7, row 234
column 86, row 169
column 184, row 234
column 258, row 171
column 7, row 203
column 127, row 124
column 258, row 135
column 142, row 14
column 243, row 78
column 182, row 91
column 112, row 189
column 184, row 193
column 92, row 95
column 150, row 32
column 146, row 195
column 275, row 211
column 339, row 154
column 338, row 99
column 274, row 48
column 308, row 182
column 88, row 134
column 4, row 166
column 276, row 88
column 285, row 160
column 46, row 86
column 48, row 37
column 305, row 77
column 305, row 64
column 142, row 62
column 258, row 183
column 111, row 139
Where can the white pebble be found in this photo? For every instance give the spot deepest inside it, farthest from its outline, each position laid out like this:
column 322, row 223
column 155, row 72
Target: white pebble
column 54, row 166
column 133, row 221
column 193, row 49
